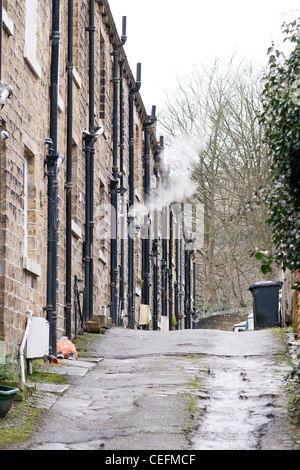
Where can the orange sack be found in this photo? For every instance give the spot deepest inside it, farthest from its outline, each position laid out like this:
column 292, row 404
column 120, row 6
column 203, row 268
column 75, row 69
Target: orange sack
column 66, row 348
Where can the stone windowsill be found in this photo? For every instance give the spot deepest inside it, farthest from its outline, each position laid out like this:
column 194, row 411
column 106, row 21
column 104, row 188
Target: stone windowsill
column 31, row 266
column 32, row 61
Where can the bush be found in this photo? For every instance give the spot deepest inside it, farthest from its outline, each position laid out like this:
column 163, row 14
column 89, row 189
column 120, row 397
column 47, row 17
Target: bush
column 280, row 118
column 9, row 371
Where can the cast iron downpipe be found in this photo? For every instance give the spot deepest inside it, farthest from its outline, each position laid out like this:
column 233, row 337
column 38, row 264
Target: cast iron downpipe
column 164, row 270
column 187, row 285
column 171, row 271
column 91, row 30
column 176, row 284
column 194, row 295
column 178, row 213
column 155, row 243
column 188, row 291
column 87, row 139
column 114, row 183
column 51, row 162
column 68, row 186
column 145, row 238
column 89, row 150
column 131, row 307
column 123, row 202
column 155, row 271
column 181, row 262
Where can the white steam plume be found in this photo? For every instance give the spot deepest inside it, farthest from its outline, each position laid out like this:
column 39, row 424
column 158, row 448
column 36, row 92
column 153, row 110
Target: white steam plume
column 178, row 159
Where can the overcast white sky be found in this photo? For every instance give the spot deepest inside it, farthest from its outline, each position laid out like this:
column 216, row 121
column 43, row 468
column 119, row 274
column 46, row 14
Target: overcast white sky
column 169, row 37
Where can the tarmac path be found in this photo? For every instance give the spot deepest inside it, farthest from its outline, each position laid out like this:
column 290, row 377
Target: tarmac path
column 181, row 390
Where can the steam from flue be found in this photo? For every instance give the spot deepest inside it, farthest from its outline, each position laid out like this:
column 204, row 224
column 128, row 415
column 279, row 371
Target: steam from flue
column 179, row 158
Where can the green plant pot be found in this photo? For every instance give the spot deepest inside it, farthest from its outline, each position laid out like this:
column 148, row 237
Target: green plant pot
column 7, row 396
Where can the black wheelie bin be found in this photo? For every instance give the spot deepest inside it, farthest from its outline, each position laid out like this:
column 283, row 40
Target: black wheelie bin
column 266, row 307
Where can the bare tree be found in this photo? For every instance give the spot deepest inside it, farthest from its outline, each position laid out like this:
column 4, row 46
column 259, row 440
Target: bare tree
column 217, row 109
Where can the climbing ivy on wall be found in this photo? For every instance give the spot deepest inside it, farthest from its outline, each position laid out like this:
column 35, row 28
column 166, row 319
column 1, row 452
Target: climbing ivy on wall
column 280, row 117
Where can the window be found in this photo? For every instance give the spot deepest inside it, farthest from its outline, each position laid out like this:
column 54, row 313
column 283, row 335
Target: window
column 102, row 212
column 103, row 221
column 31, row 251
column 30, row 47
column 7, row 21
column 77, row 185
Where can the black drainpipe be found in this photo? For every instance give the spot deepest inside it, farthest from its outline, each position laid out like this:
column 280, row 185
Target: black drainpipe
column 122, row 192
column 89, row 162
column 164, row 270
column 114, row 184
column 171, row 271
column 145, row 239
column 155, row 271
column 194, row 295
column 186, row 289
column 178, row 213
column 68, row 307
column 87, row 248
column 155, row 245
column 177, row 251
column 131, row 308
column 51, row 161
column 188, row 292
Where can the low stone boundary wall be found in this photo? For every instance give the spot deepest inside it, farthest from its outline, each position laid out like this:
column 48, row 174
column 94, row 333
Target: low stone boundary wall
column 222, row 320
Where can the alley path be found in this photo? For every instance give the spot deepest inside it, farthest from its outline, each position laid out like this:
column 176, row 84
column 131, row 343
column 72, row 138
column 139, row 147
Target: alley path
column 185, row 390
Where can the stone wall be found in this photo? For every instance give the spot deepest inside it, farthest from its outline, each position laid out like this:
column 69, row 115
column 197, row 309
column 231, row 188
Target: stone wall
column 222, row 320
column 26, row 67
column 23, row 242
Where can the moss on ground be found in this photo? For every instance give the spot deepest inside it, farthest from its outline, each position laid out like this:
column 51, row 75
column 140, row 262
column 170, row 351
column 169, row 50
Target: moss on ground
column 23, row 417
column 191, row 399
column 19, row 423
column 293, row 389
column 84, row 343
column 293, row 384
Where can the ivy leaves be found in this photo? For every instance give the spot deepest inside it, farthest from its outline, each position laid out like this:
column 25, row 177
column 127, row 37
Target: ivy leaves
column 280, row 117
column 266, row 260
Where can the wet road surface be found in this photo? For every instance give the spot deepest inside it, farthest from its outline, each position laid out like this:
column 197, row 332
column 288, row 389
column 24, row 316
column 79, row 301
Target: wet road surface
column 181, row 390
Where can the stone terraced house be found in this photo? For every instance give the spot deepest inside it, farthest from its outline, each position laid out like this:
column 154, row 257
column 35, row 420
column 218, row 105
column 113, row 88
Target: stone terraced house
column 81, row 152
